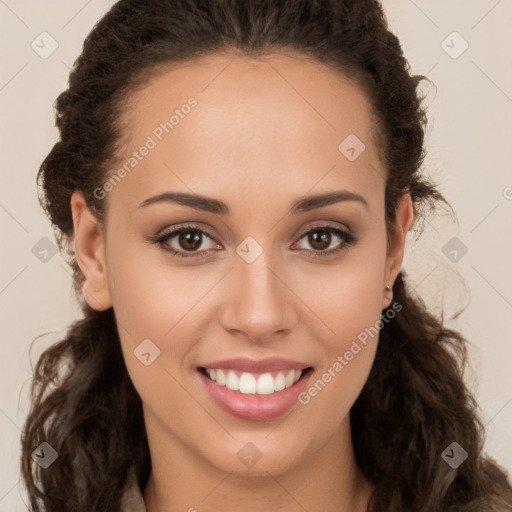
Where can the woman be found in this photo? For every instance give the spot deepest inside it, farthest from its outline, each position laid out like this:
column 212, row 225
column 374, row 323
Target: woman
column 236, row 180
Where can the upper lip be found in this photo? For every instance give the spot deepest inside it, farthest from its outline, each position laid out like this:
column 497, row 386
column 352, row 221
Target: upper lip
column 256, row 365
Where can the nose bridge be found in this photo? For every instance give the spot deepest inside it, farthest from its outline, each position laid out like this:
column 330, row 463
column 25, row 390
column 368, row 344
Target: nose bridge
column 260, row 303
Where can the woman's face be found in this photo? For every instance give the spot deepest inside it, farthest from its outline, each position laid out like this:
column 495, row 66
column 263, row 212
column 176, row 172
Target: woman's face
column 273, row 276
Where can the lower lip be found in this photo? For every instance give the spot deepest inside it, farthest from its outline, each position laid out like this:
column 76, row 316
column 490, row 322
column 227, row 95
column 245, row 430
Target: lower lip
column 253, row 406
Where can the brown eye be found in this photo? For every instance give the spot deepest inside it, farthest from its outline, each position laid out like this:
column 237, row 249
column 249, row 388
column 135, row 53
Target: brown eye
column 319, row 239
column 190, row 240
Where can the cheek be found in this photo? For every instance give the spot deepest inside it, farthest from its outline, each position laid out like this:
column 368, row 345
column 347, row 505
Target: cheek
column 150, row 297
column 346, row 363
column 160, row 302
column 346, row 296
column 155, row 303
column 352, row 314
column 350, row 310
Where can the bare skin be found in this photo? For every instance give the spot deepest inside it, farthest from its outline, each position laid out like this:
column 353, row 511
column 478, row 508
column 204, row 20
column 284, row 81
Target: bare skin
column 263, row 134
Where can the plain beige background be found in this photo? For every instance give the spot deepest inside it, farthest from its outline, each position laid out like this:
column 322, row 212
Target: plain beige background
column 469, row 154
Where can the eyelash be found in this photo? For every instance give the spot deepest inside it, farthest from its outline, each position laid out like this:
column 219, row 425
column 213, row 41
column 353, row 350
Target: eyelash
column 348, row 240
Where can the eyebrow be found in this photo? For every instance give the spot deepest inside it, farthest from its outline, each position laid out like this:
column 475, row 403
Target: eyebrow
column 211, row 205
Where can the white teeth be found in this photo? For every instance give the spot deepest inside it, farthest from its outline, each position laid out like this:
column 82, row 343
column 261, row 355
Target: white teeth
column 279, row 382
column 249, row 383
column 232, row 381
column 220, row 376
column 266, row 385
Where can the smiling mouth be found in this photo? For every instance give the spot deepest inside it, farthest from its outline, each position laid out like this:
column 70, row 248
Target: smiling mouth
column 249, row 383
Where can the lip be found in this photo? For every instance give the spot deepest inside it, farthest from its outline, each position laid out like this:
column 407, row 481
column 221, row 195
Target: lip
column 254, row 406
column 245, row 364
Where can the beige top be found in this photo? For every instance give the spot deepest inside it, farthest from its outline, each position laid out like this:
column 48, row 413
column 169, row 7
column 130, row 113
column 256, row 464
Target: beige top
column 132, row 499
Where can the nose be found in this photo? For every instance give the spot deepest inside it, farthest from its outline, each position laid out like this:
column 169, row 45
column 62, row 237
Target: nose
column 260, row 304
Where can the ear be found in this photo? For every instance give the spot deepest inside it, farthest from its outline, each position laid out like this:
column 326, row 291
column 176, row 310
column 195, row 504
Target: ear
column 90, row 254
column 396, row 249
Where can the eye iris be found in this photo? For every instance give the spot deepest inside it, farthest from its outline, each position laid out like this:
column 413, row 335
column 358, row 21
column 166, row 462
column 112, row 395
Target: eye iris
column 190, row 237
column 314, row 239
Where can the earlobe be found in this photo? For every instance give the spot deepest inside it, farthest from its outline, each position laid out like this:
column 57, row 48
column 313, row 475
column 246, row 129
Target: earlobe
column 90, row 254
column 403, row 222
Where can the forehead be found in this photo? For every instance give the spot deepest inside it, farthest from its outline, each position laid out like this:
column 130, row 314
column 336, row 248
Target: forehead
column 226, row 123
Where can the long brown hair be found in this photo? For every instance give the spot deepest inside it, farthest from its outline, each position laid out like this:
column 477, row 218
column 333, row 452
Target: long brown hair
column 414, row 403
